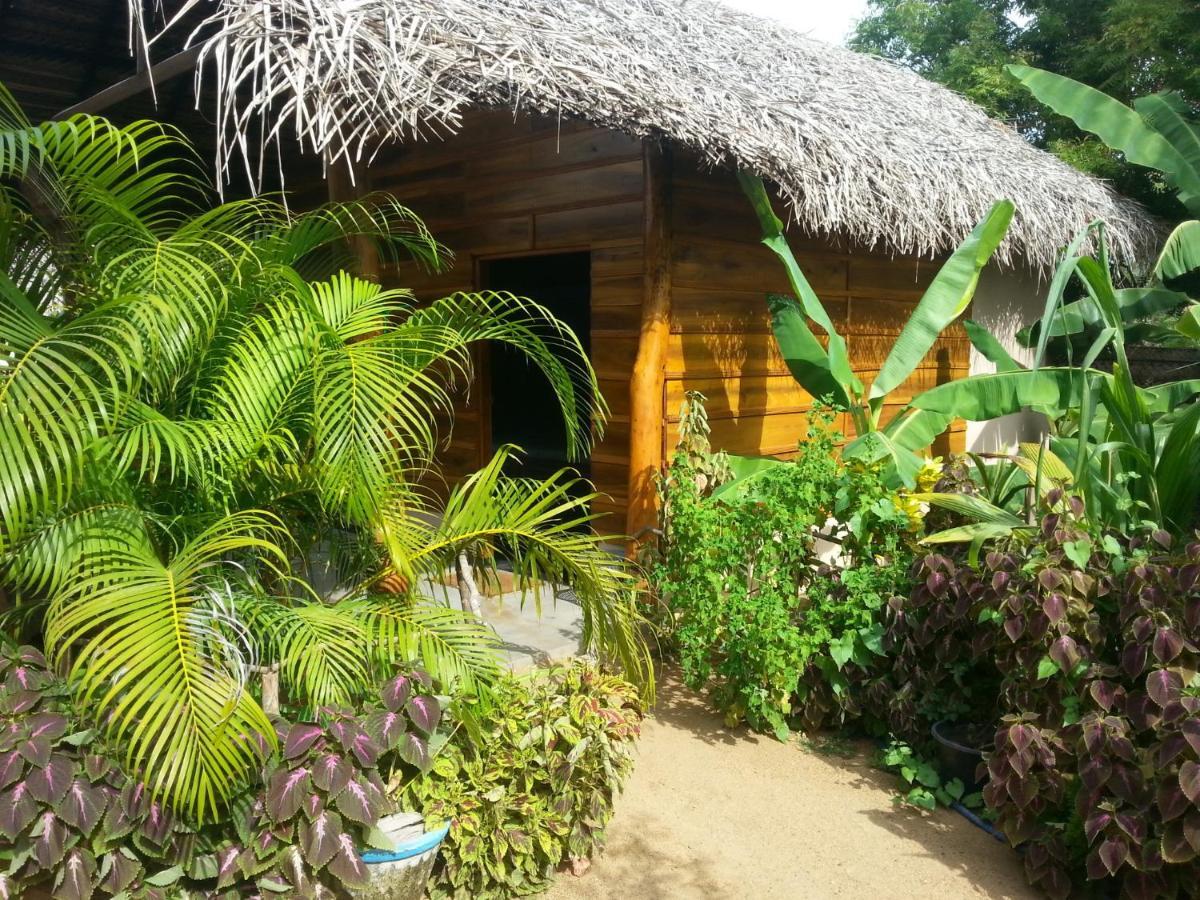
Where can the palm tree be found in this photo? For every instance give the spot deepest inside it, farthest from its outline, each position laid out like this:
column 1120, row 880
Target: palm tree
column 193, row 398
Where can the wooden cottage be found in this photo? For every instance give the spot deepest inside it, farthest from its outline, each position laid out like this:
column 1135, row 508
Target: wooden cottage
column 582, row 153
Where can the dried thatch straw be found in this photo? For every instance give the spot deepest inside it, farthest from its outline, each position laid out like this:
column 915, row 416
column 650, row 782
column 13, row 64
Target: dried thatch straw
column 856, row 145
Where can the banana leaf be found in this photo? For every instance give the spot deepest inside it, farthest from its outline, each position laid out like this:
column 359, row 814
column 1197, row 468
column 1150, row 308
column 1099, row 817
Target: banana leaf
column 1167, row 113
column 1051, row 391
column 1113, row 122
column 1178, row 265
column 944, row 301
column 774, row 239
column 990, row 348
column 806, row 359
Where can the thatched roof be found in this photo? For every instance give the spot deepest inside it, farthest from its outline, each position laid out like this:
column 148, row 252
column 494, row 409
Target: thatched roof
column 855, row 144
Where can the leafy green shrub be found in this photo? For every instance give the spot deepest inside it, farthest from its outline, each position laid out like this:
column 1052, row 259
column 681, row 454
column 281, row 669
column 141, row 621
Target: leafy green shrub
column 759, row 619
column 535, row 787
column 76, row 823
column 925, row 787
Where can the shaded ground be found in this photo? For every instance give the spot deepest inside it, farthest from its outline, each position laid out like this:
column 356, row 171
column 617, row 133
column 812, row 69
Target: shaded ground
column 715, row 813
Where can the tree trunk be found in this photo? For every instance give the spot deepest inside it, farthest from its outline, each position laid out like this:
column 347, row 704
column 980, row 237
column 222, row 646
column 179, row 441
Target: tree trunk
column 467, row 591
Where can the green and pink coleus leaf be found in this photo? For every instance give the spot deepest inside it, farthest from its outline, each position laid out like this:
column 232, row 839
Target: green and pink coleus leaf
column 319, row 839
column 360, row 802
column 300, row 739
column 78, row 873
column 17, row 810
column 386, row 728
column 157, row 824
column 396, row 692
column 331, row 773
column 286, row 792
column 1164, row 686
column 228, row 868
column 414, row 750
column 83, row 806
column 1189, row 781
column 12, row 767
column 356, row 741
column 49, row 784
column 424, row 712
column 49, row 840
column 346, row 865
column 119, row 869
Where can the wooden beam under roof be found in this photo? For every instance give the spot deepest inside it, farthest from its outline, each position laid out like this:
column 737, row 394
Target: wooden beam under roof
column 171, row 67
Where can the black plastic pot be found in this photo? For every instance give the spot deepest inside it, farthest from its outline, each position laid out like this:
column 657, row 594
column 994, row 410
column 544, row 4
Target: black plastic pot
column 957, row 755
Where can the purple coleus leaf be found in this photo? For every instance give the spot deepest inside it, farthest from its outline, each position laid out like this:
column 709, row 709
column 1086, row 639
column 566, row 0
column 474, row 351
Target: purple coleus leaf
column 12, row 767
column 1167, row 644
column 1014, row 627
column 1095, row 824
column 396, row 692
column 331, row 773
column 1103, row 693
column 386, row 728
column 286, row 792
column 1164, row 686
column 1133, row 659
column 347, row 866
column 78, row 873
column 1112, row 854
column 50, row 783
column 352, row 737
column 319, row 838
column 414, row 750
column 1170, row 800
column 17, row 810
column 425, row 713
column 1055, row 607
column 300, row 739
column 83, row 806
column 1175, row 847
column 1190, row 729
column 1189, row 781
column 120, row 872
column 135, row 800
column 51, row 843
column 1065, row 653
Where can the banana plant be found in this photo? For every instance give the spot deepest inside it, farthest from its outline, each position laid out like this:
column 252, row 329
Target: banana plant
column 824, row 369
column 1129, row 453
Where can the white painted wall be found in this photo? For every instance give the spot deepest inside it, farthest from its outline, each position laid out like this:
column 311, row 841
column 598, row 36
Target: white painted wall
column 1006, row 301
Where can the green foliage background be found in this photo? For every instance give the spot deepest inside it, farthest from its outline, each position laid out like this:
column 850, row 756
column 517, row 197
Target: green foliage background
column 1126, row 48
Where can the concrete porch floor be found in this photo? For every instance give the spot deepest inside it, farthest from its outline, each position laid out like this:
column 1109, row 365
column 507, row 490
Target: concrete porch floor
column 527, row 639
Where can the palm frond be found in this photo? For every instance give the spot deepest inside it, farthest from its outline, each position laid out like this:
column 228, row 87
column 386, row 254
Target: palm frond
column 147, row 644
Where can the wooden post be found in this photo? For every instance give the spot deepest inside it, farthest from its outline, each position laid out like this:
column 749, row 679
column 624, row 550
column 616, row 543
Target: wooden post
column 343, row 188
column 647, row 415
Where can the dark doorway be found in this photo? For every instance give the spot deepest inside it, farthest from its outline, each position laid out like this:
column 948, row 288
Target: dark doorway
column 525, row 411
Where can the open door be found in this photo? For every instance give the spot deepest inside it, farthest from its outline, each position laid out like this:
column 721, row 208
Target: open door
column 524, row 410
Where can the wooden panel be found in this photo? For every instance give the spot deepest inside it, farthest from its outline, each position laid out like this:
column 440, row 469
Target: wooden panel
column 900, row 277
column 613, row 356
column 609, row 262
column 538, row 191
column 761, row 435
column 698, row 311
column 589, row 225
column 588, row 148
column 619, row 290
column 489, row 236
column 734, row 266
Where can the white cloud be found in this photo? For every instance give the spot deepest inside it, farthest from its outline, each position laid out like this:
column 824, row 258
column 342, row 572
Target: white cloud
column 827, row 20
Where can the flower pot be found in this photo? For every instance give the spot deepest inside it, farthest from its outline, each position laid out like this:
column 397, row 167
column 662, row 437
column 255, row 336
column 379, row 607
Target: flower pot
column 960, row 751
column 402, row 873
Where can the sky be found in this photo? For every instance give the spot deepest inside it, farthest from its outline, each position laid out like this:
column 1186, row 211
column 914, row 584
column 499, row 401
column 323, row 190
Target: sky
column 828, row 20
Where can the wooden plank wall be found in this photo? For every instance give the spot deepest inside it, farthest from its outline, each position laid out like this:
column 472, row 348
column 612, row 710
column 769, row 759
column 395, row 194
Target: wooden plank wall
column 508, row 186
column 721, row 342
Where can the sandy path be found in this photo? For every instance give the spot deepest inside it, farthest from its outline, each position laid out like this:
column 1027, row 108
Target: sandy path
column 713, row 813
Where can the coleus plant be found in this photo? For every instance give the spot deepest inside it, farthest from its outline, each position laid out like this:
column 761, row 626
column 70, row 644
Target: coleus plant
column 325, row 793
column 70, row 818
column 73, row 822
column 1095, row 768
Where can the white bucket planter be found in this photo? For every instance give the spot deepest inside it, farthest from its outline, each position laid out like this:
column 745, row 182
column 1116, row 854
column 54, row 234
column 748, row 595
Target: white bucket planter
column 402, row 873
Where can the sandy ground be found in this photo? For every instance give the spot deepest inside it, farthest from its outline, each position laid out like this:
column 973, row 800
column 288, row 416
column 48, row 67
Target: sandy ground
column 714, row 813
